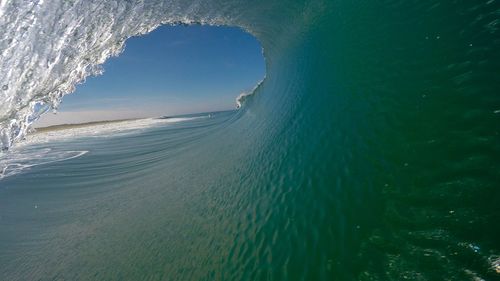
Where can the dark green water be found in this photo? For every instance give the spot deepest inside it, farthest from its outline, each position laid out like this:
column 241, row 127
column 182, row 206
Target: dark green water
column 370, row 152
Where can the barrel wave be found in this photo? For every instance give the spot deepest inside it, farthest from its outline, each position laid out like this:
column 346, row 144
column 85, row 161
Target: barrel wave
column 371, row 150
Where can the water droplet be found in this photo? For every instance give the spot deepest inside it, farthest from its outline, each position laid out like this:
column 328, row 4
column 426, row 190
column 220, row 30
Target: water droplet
column 5, row 87
column 474, row 248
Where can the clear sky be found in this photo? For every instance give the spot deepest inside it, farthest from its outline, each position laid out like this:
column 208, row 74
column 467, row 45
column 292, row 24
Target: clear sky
column 172, row 70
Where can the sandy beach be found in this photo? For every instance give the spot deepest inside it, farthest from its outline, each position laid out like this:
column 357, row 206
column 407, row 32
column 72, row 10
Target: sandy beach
column 78, row 125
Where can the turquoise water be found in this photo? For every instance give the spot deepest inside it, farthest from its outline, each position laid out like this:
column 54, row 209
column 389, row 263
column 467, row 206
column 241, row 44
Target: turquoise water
column 370, row 152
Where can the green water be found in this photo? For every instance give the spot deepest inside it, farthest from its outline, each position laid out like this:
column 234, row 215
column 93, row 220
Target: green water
column 370, row 152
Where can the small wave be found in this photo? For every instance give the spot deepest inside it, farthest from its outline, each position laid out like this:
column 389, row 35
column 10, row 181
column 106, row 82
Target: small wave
column 15, row 163
column 183, row 119
column 240, row 100
column 59, row 133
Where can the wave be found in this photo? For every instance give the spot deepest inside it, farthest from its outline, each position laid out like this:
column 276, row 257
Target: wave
column 370, row 147
column 16, row 162
column 240, row 100
column 30, row 153
column 183, row 119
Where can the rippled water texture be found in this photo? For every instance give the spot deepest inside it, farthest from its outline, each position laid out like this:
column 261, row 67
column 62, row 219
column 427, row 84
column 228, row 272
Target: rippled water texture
column 370, row 152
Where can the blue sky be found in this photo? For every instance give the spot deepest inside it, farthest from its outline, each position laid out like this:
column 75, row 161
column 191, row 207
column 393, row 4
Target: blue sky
column 172, row 70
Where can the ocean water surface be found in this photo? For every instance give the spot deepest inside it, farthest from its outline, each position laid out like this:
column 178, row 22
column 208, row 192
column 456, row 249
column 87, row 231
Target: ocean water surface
column 370, row 151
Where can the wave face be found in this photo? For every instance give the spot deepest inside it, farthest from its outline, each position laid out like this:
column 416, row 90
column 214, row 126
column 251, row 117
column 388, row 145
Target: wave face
column 369, row 152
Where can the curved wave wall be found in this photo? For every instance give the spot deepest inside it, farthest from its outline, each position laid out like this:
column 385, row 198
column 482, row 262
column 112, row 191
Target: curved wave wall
column 370, row 151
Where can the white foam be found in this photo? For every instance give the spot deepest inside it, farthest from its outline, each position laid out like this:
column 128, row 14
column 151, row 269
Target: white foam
column 91, row 130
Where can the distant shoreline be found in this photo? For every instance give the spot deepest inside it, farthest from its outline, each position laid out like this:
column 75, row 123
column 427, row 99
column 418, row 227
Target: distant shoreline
column 79, row 125
column 103, row 122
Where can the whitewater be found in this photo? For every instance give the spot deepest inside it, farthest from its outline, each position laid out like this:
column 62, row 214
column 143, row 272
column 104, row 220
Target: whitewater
column 370, row 151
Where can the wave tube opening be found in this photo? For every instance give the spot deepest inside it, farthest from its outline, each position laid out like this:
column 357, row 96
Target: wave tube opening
column 173, row 70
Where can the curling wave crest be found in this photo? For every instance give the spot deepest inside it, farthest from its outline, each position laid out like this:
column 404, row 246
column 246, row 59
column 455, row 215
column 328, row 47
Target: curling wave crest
column 46, row 48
